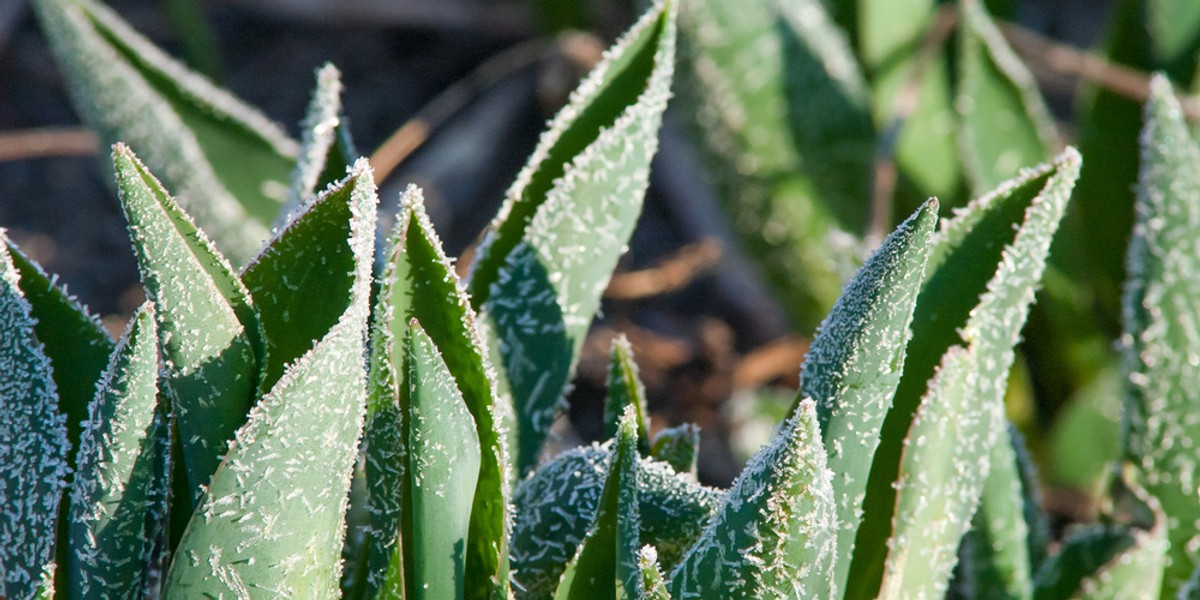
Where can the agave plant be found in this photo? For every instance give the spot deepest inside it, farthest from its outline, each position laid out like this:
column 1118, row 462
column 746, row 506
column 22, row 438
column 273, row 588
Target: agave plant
column 320, row 415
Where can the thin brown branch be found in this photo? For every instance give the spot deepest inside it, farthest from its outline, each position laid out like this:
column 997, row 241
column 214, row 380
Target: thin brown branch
column 674, row 273
column 907, row 99
column 25, row 144
column 1045, row 55
column 579, row 48
column 778, row 359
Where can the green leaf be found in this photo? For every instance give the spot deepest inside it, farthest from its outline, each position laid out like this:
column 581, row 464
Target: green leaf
column 273, row 516
column 225, row 161
column 775, row 536
column 755, row 73
column 608, row 563
column 654, row 587
column 419, row 283
column 1005, row 123
column 443, row 466
column 33, row 443
column 301, row 279
column 555, row 504
column 1111, row 560
column 626, row 389
column 549, row 254
column 679, row 447
column 206, row 325
column 855, row 361
column 1191, row 590
column 996, row 554
column 1163, row 326
column 1174, row 27
column 71, row 337
column 326, row 150
column 981, row 277
column 119, row 496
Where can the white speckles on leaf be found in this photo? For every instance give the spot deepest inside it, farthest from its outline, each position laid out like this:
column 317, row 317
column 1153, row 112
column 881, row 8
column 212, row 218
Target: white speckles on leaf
column 1162, row 320
column 775, row 536
column 33, row 444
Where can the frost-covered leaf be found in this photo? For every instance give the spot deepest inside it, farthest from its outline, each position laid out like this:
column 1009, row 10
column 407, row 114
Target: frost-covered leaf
column 272, row 520
column 855, row 361
column 555, row 504
column 1162, row 321
column 326, row 149
column 549, row 254
column 996, row 557
column 72, row 338
column 119, row 496
column 227, row 164
column 784, row 121
column 206, row 326
column 679, row 447
column 654, row 587
column 1005, row 123
column 625, row 389
column 302, row 278
column 1110, row 561
column 33, row 443
column 980, row 281
column 419, row 282
column 608, row 564
column 775, row 535
column 443, row 466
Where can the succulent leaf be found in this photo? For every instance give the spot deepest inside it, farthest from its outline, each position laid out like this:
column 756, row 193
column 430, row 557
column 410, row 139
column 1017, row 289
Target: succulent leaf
column 443, row 467
column 981, row 278
column 1163, row 326
column 654, row 587
column 1005, row 123
column 549, row 254
column 326, row 149
column 625, row 389
column 608, row 562
column 855, row 362
column 273, row 516
column 775, row 535
column 33, row 444
column 554, row 506
column 206, row 325
column 119, row 495
column 679, row 447
column 754, row 75
column 302, row 277
column 419, row 282
column 227, row 163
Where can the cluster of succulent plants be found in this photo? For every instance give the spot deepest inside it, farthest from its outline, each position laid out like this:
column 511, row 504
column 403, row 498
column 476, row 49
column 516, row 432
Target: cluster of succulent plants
column 319, row 410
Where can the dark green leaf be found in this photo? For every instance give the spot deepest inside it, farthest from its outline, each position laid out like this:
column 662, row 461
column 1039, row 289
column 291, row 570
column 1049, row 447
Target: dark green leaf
column 679, row 447
column 625, row 389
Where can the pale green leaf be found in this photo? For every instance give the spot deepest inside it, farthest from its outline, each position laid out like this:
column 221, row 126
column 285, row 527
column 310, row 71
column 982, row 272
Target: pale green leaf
column 775, row 536
column 419, row 282
column 981, row 278
column 119, row 495
column 326, row 150
column 679, row 447
column 1162, row 321
column 443, row 467
column 608, row 563
column 549, row 254
column 755, row 76
column 625, row 389
column 33, row 443
column 855, row 362
column 555, row 505
column 1005, row 123
column 272, row 521
column 654, row 587
column 206, row 326
column 226, row 162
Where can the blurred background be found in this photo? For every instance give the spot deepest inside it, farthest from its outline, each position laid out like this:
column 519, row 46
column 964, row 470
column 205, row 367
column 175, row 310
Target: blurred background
column 452, row 95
